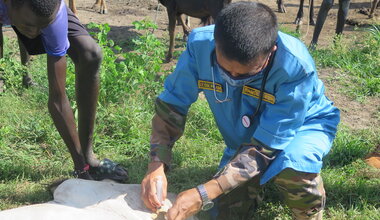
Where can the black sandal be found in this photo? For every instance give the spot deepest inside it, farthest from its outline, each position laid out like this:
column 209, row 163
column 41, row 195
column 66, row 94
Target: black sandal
column 108, row 169
column 77, row 173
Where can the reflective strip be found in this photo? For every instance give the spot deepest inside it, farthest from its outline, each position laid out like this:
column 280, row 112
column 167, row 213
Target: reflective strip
column 255, row 93
column 210, row 85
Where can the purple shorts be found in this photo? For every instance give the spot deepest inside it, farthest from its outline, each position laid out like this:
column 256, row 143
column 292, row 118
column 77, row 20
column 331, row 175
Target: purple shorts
column 40, row 44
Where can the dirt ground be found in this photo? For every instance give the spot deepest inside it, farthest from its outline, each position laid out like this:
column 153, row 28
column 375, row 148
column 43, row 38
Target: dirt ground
column 121, row 14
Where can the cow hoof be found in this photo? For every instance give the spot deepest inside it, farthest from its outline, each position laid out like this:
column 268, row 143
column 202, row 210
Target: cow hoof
column 313, row 46
column 2, row 85
column 28, row 82
column 184, row 37
column 168, row 59
column 298, row 21
column 282, row 9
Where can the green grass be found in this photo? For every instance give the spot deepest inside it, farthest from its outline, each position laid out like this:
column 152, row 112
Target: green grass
column 32, row 154
column 358, row 62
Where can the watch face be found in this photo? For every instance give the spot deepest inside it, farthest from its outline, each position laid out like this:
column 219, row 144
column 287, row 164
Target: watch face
column 207, row 206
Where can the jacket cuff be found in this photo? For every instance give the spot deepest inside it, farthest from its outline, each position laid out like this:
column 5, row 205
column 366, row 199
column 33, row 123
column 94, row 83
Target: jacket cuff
column 224, row 184
column 161, row 153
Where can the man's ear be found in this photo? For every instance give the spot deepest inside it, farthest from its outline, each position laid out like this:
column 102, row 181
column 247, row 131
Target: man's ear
column 274, row 48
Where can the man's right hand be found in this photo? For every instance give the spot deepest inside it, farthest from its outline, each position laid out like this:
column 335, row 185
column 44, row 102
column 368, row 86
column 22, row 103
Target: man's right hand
column 148, row 186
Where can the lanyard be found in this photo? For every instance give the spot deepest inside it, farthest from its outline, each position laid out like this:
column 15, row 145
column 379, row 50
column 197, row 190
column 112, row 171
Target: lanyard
column 246, row 119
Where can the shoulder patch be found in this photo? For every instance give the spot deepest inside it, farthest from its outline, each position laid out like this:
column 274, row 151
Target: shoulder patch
column 202, row 84
column 255, row 93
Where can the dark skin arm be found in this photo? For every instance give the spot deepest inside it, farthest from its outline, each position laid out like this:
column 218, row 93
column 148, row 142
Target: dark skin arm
column 60, row 110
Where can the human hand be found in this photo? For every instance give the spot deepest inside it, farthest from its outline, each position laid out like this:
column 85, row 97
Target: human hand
column 187, row 204
column 149, row 186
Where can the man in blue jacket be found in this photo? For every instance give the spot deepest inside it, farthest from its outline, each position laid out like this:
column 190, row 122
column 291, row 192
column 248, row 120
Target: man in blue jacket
column 269, row 105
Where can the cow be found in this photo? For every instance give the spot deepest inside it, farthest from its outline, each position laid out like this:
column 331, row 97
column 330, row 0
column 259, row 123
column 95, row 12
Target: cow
column 375, row 4
column 203, row 9
column 298, row 21
column 101, row 4
column 322, row 14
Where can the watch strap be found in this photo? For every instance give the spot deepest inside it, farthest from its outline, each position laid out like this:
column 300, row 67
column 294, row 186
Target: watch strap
column 207, row 204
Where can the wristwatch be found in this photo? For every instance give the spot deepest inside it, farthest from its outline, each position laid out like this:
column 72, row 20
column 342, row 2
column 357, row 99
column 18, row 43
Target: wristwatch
column 207, row 204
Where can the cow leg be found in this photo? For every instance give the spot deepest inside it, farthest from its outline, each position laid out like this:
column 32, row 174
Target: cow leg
column 186, row 29
column 281, row 6
column 103, row 7
column 25, row 57
column 72, row 6
column 1, row 56
column 172, row 22
column 1, row 41
column 375, row 4
column 187, row 21
column 342, row 15
column 97, row 5
column 321, row 18
column 209, row 21
column 299, row 17
column 26, row 80
column 180, row 20
column 311, row 12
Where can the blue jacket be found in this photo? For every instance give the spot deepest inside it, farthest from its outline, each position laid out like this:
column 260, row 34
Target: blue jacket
column 294, row 102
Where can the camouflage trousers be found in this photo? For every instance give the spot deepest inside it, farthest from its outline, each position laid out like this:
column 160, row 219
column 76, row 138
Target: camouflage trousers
column 303, row 193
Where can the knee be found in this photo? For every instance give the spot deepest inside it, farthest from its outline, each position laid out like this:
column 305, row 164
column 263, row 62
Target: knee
column 290, row 178
column 92, row 55
column 303, row 192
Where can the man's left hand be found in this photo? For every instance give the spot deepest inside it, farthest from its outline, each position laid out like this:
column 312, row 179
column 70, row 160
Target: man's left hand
column 187, row 204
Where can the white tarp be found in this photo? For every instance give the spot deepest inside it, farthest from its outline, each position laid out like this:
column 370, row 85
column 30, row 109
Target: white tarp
column 88, row 200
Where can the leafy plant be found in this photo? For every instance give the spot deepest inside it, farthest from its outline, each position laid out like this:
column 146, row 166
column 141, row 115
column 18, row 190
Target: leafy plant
column 123, row 74
column 12, row 71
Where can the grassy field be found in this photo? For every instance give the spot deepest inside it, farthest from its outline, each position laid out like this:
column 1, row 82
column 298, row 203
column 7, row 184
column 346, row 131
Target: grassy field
column 32, row 153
